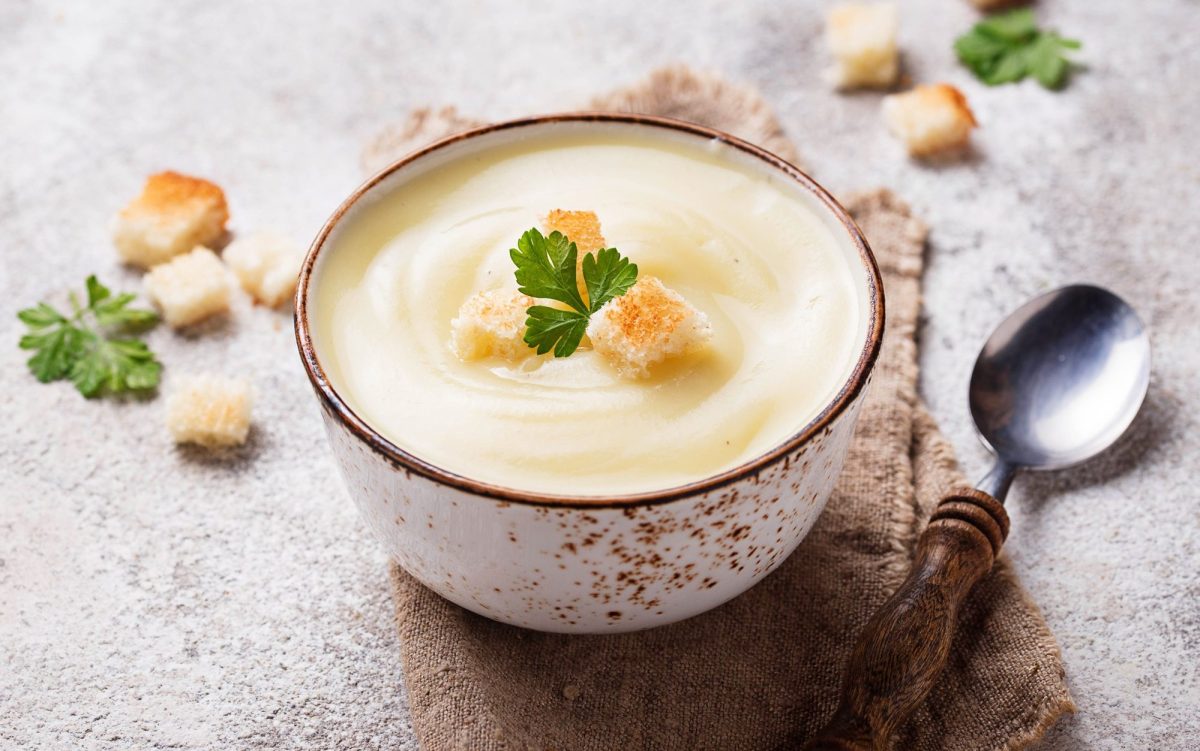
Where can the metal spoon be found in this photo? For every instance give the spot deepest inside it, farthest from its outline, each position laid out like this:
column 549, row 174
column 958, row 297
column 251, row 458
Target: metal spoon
column 1059, row 381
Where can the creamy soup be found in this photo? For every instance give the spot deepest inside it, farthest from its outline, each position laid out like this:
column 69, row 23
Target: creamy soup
column 739, row 243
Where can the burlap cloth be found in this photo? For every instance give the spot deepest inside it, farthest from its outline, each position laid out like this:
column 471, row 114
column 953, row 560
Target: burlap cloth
column 768, row 664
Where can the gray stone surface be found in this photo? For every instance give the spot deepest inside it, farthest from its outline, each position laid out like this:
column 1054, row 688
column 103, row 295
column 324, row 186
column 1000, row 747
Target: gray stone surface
column 152, row 597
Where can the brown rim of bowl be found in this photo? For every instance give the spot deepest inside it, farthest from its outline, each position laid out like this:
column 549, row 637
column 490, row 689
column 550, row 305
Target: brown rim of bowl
column 337, row 407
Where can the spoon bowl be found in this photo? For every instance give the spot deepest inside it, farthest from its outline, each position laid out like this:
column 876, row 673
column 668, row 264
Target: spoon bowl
column 1059, row 380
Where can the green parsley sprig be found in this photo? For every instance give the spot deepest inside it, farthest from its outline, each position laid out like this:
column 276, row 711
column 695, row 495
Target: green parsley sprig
column 85, row 346
column 1007, row 47
column 546, row 268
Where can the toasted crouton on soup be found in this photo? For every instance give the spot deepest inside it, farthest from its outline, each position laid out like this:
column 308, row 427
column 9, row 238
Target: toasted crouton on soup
column 645, row 326
column 173, row 214
column 491, row 323
column 580, row 227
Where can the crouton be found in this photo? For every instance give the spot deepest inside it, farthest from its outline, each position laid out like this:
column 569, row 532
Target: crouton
column 929, row 119
column 189, row 288
column 209, row 410
column 645, row 326
column 174, row 214
column 266, row 264
column 491, row 323
column 996, row 4
column 862, row 38
column 580, row 227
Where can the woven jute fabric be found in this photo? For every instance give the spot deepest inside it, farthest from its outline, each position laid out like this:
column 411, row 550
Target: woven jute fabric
column 768, row 664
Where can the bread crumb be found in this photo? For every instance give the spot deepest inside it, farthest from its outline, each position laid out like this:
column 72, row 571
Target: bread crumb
column 571, row 692
column 930, row 119
column 209, row 410
column 189, row 288
column 174, row 214
column 645, row 326
column 266, row 264
column 491, row 323
column 862, row 38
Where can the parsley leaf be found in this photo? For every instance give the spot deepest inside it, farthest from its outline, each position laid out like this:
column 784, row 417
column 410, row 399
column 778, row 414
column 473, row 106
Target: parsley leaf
column 79, row 346
column 607, row 274
column 546, row 268
column 1007, row 47
column 116, row 365
column 1047, row 61
column 1017, row 25
column 113, row 312
column 547, row 328
column 57, row 350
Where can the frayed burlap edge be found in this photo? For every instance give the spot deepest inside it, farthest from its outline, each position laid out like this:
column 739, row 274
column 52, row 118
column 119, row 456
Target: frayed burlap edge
column 881, row 214
column 680, row 92
column 421, row 127
column 674, row 91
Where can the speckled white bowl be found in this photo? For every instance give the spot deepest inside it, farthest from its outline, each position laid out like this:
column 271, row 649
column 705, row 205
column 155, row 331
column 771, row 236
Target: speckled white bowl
column 595, row 564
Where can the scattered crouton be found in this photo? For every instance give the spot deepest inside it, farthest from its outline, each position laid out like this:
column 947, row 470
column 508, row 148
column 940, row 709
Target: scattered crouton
column 491, row 323
column 645, row 326
column 210, row 411
column 174, row 214
column 266, row 264
column 929, row 119
column 996, row 4
column 862, row 38
column 189, row 288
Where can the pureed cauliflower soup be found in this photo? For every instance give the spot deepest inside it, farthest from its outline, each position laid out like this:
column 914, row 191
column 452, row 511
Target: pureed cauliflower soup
column 742, row 245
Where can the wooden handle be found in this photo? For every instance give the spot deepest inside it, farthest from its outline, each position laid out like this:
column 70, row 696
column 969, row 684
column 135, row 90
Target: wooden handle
column 904, row 646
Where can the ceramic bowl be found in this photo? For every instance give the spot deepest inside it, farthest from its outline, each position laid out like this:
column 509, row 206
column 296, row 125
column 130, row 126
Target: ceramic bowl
column 594, row 564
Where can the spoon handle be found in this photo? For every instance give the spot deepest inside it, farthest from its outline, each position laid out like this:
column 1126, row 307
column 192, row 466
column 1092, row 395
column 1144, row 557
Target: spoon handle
column 904, row 646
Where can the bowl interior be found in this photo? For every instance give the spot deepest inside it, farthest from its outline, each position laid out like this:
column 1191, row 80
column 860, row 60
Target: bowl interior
column 361, row 210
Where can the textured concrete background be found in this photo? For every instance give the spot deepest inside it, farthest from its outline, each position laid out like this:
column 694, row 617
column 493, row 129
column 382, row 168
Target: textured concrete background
column 152, row 597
